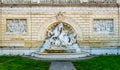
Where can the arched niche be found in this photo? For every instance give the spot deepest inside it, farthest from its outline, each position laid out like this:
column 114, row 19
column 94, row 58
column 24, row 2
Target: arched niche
column 51, row 22
column 65, row 25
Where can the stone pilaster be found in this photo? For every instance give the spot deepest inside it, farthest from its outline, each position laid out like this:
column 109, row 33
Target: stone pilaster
column 0, row 22
column 119, row 26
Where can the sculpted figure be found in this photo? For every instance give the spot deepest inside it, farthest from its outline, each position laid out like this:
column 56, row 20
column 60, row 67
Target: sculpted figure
column 22, row 26
column 50, row 34
column 45, row 45
column 57, row 42
column 9, row 27
column 64, row 38
column 72, row 39
column 16, row 27
column 60, row 37
column 56, row 32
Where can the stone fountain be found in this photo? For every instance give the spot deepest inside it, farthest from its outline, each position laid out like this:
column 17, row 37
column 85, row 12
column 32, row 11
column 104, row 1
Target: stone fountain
column 60, row 44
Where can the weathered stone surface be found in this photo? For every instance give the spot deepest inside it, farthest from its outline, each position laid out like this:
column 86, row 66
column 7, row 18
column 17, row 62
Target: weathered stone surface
column 81, row 19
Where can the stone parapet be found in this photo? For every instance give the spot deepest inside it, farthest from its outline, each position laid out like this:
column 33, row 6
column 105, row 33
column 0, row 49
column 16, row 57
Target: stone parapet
column 59, row 2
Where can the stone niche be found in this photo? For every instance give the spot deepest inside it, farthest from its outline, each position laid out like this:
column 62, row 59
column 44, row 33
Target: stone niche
column 60, row 38
column 65, row 25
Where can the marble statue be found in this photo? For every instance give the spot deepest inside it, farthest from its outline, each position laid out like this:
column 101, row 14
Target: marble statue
column 46, row 44
column 60, row 37
column 56, row 31
column 16, row 27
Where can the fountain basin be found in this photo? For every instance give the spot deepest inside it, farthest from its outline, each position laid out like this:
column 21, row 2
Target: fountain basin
column 60, row 55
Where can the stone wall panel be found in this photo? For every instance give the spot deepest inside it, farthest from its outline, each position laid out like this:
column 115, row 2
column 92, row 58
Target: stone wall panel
column 82, row 19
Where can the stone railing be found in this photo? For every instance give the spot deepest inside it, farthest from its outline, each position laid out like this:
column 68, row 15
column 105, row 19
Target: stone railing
column 15, row 1
column 103, row 1
column 58, row 2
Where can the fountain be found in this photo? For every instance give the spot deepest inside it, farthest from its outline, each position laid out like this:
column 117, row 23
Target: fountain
column 60, row 44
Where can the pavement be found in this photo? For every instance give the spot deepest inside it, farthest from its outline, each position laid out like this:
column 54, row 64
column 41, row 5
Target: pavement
column 55, row 65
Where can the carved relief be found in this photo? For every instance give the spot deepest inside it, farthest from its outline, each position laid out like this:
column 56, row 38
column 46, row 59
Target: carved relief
column 60, row 16
column 16, row 26
column 103, row 26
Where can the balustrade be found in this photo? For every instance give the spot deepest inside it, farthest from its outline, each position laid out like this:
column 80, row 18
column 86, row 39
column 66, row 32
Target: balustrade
column 58, row 2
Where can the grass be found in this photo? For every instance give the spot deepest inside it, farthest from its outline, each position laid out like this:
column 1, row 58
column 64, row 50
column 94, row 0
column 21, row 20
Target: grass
column 20, row 63
column 99, row 63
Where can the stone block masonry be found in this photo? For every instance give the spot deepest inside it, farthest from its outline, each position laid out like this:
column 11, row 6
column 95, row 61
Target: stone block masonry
column 39, row 18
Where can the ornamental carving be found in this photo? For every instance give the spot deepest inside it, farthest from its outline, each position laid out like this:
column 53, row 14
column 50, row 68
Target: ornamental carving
column 60, row 17
column 103, row 26
column 16, row 26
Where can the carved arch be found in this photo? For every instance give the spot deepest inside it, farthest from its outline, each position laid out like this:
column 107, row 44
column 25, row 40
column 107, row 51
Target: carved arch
column 44, row 27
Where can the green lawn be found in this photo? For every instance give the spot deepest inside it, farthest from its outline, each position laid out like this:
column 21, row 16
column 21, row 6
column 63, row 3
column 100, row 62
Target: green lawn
column 20, row 63
column 99, row 63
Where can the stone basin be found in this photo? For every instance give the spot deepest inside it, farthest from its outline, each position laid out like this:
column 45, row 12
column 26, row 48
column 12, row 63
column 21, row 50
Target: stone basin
column 61, row 56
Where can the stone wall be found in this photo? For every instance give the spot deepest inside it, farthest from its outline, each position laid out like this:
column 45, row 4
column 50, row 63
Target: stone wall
column 40, row 18
column 17, row 51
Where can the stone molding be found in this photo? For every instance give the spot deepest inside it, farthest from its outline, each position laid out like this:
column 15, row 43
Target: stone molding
column 58, row 9
column 57, row 2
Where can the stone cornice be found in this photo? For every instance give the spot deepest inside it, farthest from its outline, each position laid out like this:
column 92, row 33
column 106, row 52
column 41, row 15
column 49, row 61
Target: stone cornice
column 66, row 5
column 58, row 9
column 60, row 3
